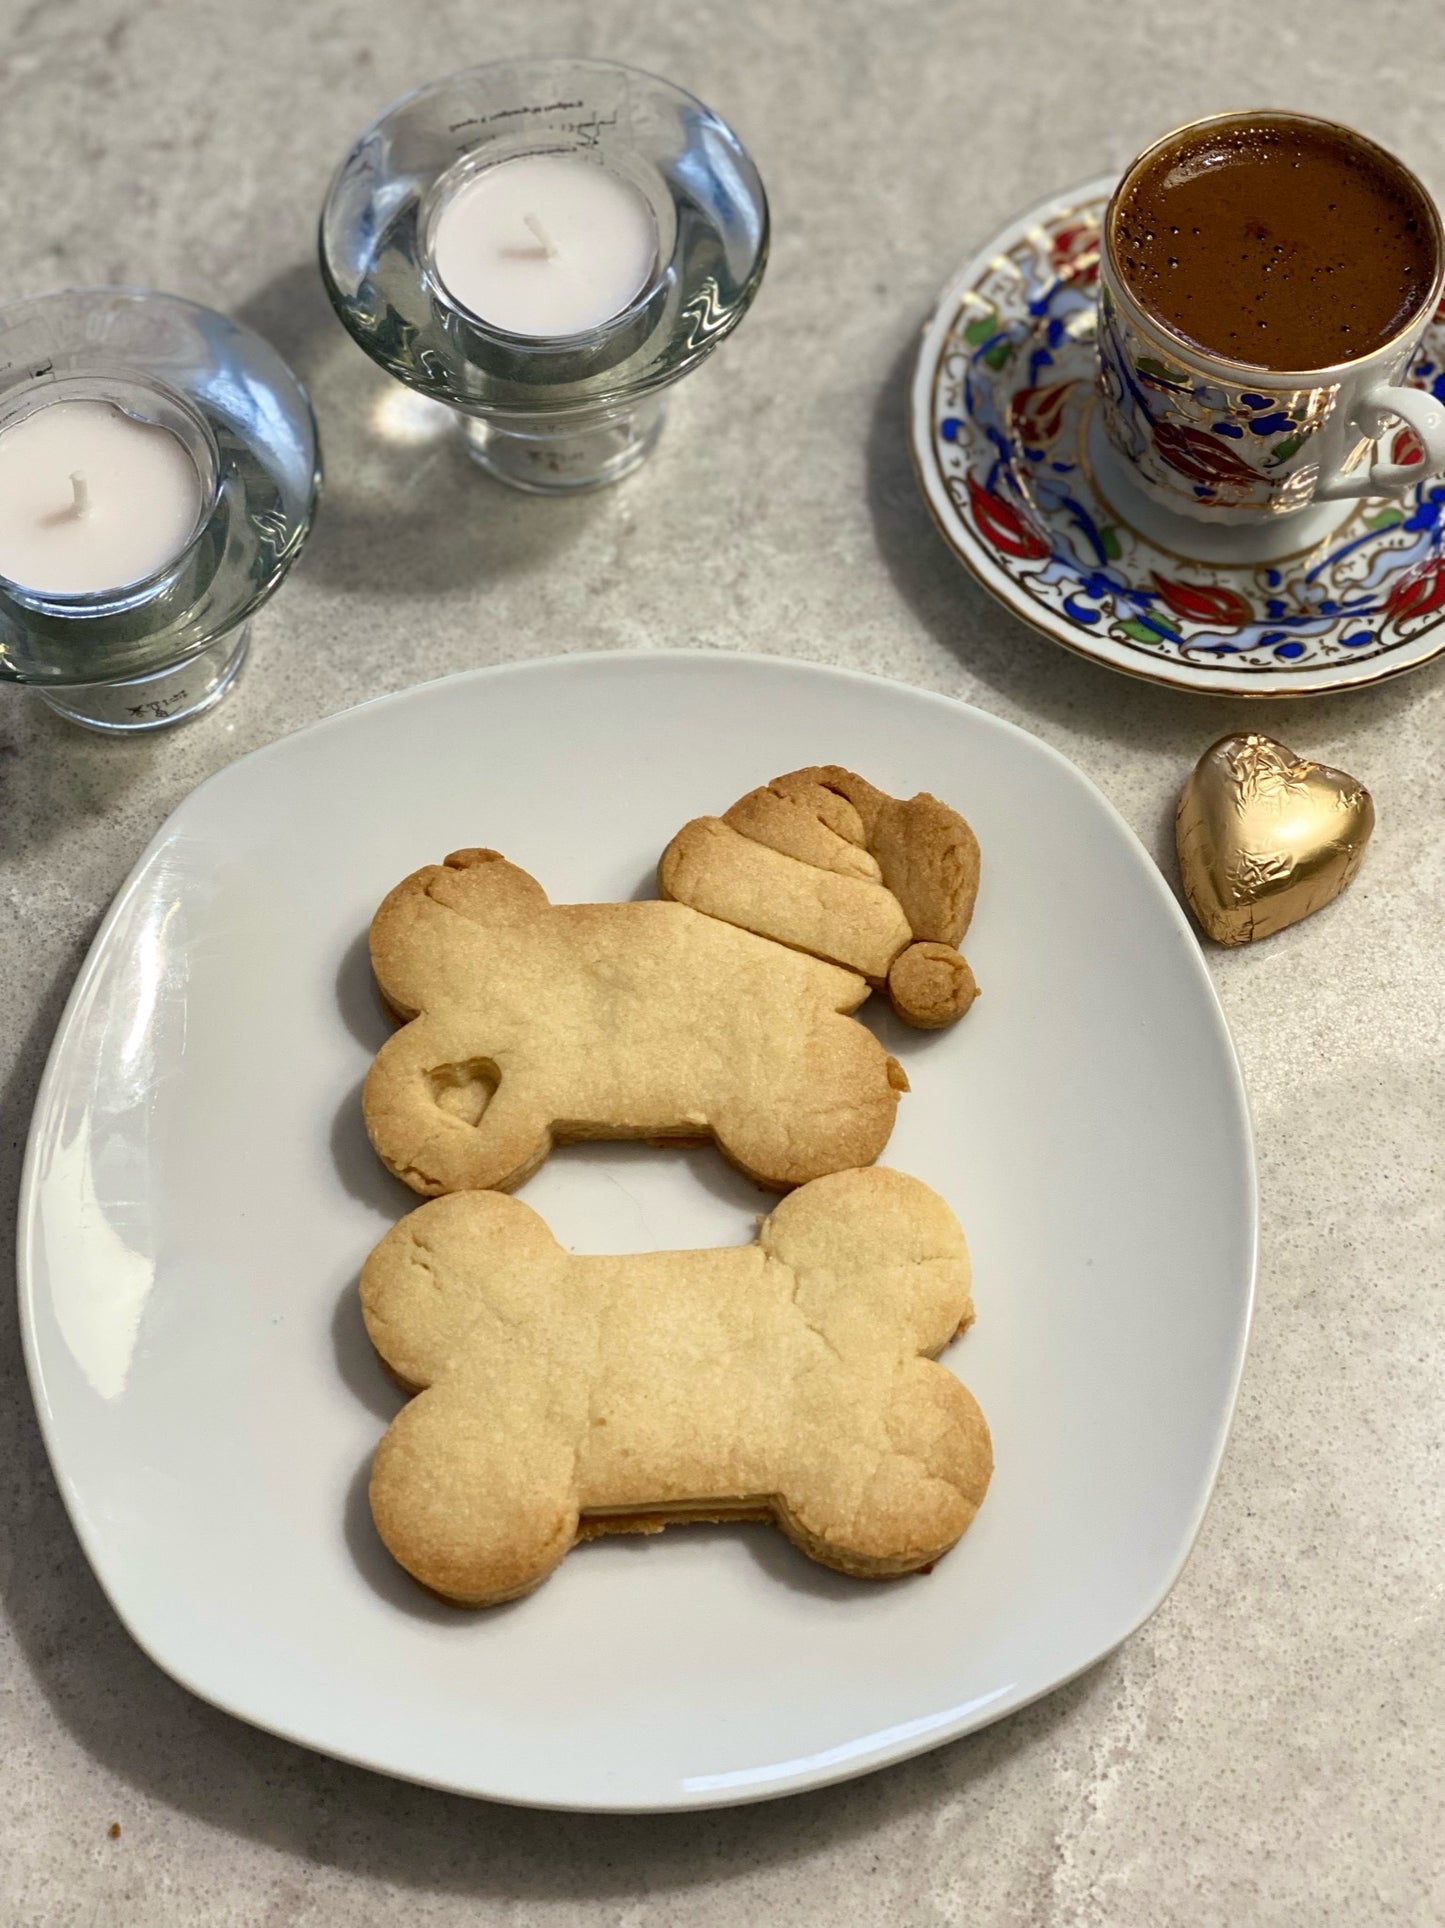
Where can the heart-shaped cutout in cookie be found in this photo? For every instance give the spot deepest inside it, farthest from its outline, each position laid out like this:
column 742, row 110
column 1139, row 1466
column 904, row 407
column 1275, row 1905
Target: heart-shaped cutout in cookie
column 1265, row 837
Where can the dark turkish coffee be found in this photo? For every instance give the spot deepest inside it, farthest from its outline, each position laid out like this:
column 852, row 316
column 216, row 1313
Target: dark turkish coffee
column 1286, row 244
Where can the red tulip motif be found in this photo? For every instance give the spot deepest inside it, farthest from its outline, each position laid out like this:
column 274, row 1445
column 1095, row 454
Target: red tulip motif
column 1407, row 448
column 1037, row 414
column 1074, row 253
column 1418, row 595
column 1002, row 525
column 1201, row 456
column 1224, row 608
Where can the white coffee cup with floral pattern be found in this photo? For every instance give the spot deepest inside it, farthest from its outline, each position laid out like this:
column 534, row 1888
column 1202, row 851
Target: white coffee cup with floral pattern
column 1239, row 445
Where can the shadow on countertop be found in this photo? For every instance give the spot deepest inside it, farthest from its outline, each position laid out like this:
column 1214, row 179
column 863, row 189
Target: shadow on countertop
column 55, row 775
column 404, row 509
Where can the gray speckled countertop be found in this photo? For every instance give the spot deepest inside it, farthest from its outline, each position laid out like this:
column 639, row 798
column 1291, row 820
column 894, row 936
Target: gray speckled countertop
column 1267, row 1750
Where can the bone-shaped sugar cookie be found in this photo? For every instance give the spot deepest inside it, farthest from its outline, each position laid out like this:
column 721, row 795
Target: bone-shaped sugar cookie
column 791, row 1379
column 822, row 861
column 532, row 1023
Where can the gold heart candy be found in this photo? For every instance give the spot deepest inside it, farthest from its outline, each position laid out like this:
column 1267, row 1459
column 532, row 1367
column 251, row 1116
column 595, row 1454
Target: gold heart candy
column 1265, row 837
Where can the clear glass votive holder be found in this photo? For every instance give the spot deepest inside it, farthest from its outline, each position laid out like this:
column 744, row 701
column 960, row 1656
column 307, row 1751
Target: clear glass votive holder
column 164, row 648
column 546, row 413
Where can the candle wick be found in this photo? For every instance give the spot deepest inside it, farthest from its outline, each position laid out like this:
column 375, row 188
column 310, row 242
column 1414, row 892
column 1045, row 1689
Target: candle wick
column 80, row 494
column 544, row 240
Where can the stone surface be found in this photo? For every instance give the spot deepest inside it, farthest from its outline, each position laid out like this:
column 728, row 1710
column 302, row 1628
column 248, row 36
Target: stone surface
column 1267, row 1750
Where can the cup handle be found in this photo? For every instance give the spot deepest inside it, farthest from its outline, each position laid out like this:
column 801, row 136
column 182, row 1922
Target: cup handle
column 1422, row 413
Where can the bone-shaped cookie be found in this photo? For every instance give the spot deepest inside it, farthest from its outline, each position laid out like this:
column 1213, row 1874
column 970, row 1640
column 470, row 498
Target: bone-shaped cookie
column 791, row 1379
column 821, row 860
column 533, row 1023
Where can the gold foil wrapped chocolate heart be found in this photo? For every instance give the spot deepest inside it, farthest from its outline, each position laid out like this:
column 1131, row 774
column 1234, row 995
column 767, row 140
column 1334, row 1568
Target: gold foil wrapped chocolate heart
column 1265, row 837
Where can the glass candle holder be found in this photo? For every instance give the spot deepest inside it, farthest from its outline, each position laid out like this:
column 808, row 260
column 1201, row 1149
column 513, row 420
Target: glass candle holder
column 582, row 406
column 142, row 653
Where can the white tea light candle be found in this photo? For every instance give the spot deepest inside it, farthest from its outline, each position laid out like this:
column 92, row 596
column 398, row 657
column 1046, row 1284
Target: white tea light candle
column 601, row 230
column 545, row 245
column 92, row 499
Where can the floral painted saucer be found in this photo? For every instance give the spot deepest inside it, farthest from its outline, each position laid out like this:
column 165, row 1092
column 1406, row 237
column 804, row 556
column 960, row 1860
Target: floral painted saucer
column 1004, row 441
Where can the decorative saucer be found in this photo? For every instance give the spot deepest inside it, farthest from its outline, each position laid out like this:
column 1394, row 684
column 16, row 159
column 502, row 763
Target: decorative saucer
column 1003, row 433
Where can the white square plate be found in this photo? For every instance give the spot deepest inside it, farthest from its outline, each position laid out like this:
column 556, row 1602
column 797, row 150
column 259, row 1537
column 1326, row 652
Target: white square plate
column 199, row 1196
